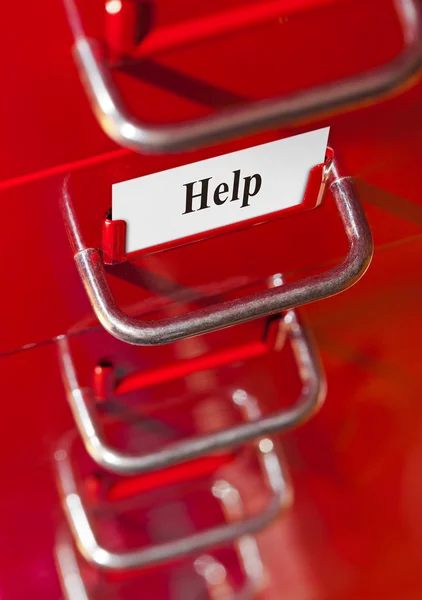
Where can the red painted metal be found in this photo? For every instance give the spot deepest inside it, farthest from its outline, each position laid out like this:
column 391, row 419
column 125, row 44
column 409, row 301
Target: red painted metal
column 208, row 27
column 105, row 384
column 123, row 19
column 113, row 241
column 356, row 529
column 103, row 381
column 129, row 488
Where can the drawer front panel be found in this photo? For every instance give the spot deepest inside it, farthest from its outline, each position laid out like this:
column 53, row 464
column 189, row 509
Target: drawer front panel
column 354, row 468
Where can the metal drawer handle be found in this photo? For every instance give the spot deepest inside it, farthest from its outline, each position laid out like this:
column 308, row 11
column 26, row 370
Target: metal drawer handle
column 281, row 499
column 82, row 404
column 74, row 588
column 316, row 287
column 126, row 130
column 246, row 549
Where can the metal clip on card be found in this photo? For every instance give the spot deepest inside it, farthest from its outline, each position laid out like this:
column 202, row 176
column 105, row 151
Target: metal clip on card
column 82, row 404
column 281, row 498
column 117, row 121
column 90, row 265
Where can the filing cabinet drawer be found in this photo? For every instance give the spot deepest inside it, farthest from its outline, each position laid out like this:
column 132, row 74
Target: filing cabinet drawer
column 30, row 517
column 177, row 66
column 351, row 466
column 30, row 449
column 45, row 296
column 59, row 128
column 47, row 121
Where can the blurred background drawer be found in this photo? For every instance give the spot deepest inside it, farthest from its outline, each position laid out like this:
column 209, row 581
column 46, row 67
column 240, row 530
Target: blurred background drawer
column 50, row 125
column 354, row 467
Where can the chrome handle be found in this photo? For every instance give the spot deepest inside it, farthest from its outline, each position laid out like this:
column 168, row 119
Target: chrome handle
column 70, row 576
column 247, row 551
column 315, row 287
column 74, row 588
column 281, row 499
column 82, row 404
column 126, row 130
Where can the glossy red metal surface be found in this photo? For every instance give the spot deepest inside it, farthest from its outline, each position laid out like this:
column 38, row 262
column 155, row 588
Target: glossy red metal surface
column 355, row 530
column 103, row 379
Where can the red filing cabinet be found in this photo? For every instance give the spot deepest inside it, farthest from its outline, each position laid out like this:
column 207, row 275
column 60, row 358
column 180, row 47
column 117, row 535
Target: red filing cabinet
column 101, row 498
